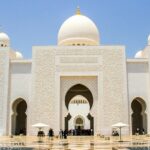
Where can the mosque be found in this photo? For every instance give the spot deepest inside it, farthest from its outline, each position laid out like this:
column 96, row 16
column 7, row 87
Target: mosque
column 79, row 83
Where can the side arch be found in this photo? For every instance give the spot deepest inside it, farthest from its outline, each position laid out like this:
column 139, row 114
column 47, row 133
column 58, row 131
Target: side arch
column 19, row 117
column 139, row 116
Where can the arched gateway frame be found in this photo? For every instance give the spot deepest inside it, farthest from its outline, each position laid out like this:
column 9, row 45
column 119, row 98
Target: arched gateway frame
column 75, row 90
column 139, row 117
column 19, row 117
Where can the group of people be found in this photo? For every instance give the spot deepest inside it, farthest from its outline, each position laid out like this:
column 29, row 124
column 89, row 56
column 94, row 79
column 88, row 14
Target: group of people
column 115, row 132
column 138, row 131
column 76, row 132
column 22, row 131
column 64, row 133
column 41, row 133
column 50, row 133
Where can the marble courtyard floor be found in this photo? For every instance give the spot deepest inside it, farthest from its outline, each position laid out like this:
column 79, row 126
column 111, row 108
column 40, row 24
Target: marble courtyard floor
column 74, row 143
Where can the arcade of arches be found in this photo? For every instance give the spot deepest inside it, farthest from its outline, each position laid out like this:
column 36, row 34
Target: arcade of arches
column 19, row 117
column 78, row 96
column 139, row 117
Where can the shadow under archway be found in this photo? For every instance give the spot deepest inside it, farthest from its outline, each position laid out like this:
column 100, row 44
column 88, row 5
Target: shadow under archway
column 19, row 117
column 139, row 117
column 79, row 89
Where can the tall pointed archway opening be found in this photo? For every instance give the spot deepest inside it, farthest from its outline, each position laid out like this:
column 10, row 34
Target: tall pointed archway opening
column 19, row 117
column 139, row 116
column 79, row 101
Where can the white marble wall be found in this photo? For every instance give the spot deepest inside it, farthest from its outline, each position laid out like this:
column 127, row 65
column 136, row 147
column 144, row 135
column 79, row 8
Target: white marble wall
column 4, row 90
column 104, row 73
column 20, row 85
column 55, row 70
column 43, row 105
column 113, row 100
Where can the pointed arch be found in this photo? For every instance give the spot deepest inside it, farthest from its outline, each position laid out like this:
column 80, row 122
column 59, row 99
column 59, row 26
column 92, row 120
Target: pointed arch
column 19, row 117
column 76, row 95
column 139, row 116
column 78, row 89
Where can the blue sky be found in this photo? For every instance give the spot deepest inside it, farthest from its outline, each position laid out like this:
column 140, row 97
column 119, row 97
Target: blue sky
column 36, row 22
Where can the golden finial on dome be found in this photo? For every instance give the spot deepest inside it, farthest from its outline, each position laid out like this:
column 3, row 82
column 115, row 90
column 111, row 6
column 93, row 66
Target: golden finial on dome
column 78, row 11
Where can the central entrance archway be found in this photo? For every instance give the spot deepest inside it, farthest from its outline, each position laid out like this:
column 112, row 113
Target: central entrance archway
column 19, row 117
column 79, row 101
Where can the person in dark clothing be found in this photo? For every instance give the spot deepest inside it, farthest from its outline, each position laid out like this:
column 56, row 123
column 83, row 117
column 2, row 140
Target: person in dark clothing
column 143, row 131
column 65, row 134
column 41, row 133
column 51, row 133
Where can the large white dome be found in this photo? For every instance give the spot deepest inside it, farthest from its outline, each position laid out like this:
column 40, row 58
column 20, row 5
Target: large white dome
column 78, row 30
column 4, row 40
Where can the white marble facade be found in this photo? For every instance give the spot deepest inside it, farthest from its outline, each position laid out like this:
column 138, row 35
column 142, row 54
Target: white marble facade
column 114, row 85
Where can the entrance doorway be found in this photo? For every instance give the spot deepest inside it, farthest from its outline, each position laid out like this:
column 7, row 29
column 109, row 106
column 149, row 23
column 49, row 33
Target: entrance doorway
column 139, row 117
column 79, row 108
column 19, row 117
column 79, row 123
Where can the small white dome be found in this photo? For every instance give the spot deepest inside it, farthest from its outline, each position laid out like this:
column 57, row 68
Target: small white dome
column 148, row 40
column 19, row 55
column 4, row 40
column 78, row 30
column 139, row 54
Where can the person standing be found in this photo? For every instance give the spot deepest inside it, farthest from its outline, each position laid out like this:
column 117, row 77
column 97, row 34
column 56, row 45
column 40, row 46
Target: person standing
column 143, row 131
column 65, row 134
column 61, row 132
column 51, row 133
column 137, row 131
